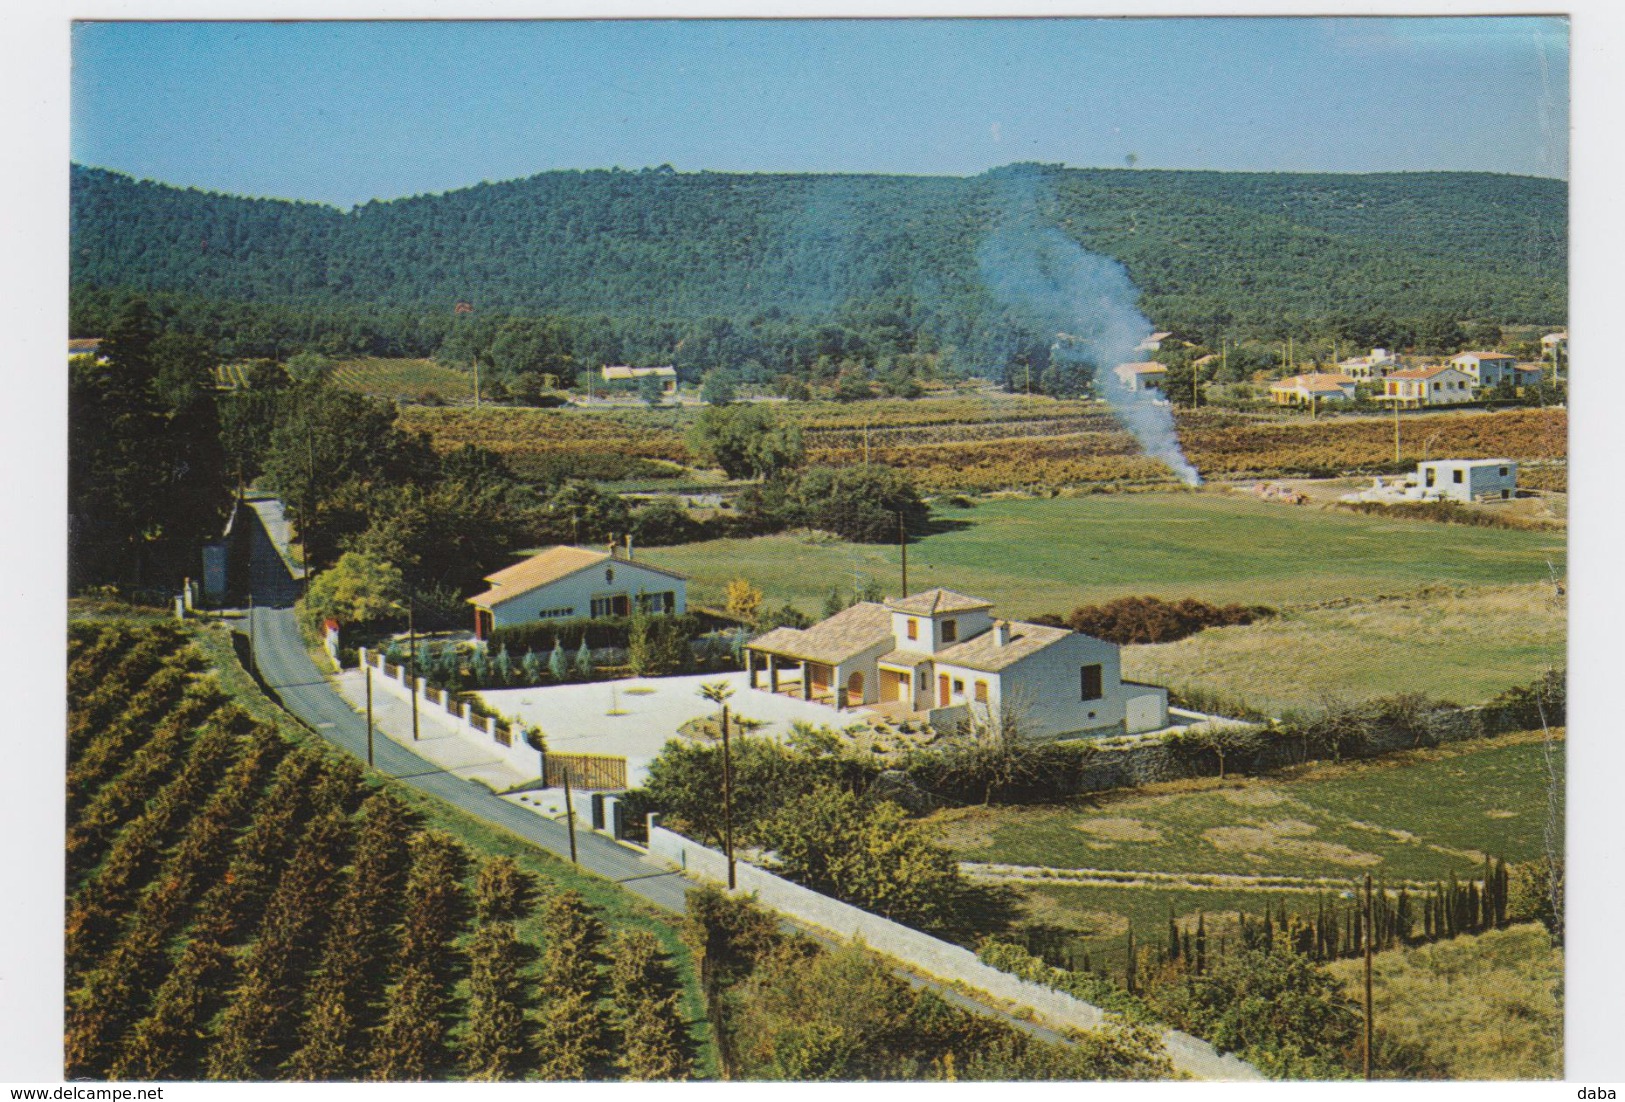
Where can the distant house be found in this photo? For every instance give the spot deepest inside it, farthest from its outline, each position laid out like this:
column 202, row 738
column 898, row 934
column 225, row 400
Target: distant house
column 1303, row 389
column 1143, row 376
column 1153, row 343
column 1490, row 369
column 943, row 657
column 86, row 346
column 630, row 376
column 1468, row 480
column 1558, row 341
column 1375, row 366
column 572, row 583
column 1428, row 386
column 1463, row 480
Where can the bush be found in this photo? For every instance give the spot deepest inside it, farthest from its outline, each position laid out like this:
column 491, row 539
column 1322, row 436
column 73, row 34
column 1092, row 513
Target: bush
column 1152, row 620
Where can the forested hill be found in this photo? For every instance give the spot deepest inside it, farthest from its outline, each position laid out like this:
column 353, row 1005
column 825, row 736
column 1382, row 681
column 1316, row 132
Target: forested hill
column 1205, row 248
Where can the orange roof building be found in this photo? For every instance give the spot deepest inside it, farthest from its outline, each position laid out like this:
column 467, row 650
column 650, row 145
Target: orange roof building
column 576, row 583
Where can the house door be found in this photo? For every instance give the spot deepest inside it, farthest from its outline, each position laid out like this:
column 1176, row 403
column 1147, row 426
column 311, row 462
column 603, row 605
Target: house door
column 482, row 624
column 942, row 690
column 854, row 689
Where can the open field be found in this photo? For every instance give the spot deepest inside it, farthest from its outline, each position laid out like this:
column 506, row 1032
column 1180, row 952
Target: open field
column 1032, row 556
column 1461, row 645
column 1419, row 815
column 1484, row 1007
column 405, row 380
column 1414, row 816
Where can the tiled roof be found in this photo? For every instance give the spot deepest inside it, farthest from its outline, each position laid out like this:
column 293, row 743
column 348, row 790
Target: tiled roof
column 935, row 601
column 1420, row 372
column 984, row 652
column 547, row 567
column 904, row 658
column 1142, row 367
column 84, row 344
column 1463, row 357
column 846, row 634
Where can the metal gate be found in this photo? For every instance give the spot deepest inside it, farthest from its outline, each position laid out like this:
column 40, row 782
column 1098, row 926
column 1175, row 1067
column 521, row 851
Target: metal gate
column 602, row 772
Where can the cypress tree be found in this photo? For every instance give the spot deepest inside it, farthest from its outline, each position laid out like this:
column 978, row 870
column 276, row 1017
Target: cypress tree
column 654, row 1042
column 583, row 662
column 1201, row 943
column 574, row 1031
column 557, row 664
column 1173, row 936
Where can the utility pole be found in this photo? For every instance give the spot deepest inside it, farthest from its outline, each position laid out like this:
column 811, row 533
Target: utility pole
column 253, row 658
column 727, row 797
column 570, row 816
column 412, row 657
column 1396, row 425
column 1366, row 1048
column 476, row 382
column 369, row 713
column 902, row 542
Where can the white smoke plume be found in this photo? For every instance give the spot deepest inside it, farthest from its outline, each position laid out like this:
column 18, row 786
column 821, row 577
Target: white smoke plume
column 1087, row 302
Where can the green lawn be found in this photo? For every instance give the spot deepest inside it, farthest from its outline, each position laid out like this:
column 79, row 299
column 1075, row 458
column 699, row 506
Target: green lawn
column 1460, row 645
column 1048, row 555
column 1421, row 815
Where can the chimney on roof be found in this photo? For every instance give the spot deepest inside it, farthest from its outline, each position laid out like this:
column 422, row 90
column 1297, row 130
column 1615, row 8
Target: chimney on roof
column 613, row 546
column 1001, row 633
column 629, row 548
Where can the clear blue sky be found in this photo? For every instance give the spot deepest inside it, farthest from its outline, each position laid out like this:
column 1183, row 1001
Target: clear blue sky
column 346, row 112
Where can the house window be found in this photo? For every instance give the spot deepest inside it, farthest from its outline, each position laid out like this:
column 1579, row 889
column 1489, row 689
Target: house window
column 1455, row 476
column 913, row 629
column 925, row 680
column 981, row 692
column 1503, row 472
column 959, row 687
column 950, row 630
column 609, row 576
column 617, row 605
column 1090, row 678
column 555, row 614
column 657, row 602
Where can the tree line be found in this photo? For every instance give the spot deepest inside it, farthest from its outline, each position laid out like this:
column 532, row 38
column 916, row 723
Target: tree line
column 861, row 282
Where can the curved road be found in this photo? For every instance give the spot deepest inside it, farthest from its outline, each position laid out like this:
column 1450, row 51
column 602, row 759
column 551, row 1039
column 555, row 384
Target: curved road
column 286, row 669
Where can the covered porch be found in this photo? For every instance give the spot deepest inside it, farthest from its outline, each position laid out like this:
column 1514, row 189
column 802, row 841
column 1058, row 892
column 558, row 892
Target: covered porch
column 801, row 678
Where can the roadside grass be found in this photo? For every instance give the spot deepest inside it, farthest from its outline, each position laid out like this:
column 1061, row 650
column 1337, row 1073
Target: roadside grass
column 617, row 908
column 404, row 379
column 1037, row 555
column 1488, row 1006
column 1463, row 645
column 1421, row 817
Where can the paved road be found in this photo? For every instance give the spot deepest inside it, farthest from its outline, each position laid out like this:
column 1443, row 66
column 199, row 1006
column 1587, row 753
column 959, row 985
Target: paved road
column 286, row 668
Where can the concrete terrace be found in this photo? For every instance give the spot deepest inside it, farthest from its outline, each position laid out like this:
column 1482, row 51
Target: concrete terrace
column 577, row 719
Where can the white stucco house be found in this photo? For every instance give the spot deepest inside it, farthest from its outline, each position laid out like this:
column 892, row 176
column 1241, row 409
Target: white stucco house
column 574, row 583
column 1317, row 387
column 1375, row 366
column 1428, row 386
column 942, row 657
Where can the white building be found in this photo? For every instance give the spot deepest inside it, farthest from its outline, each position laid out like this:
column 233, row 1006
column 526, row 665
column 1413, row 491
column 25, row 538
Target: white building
column 573, row 583
column 1463, row 480
column 620, row 375
column 1375, row 366
column 942, row 657
column 1428, row 386
column 1146, row 375
column 1304, row 389
column 1468, row 480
